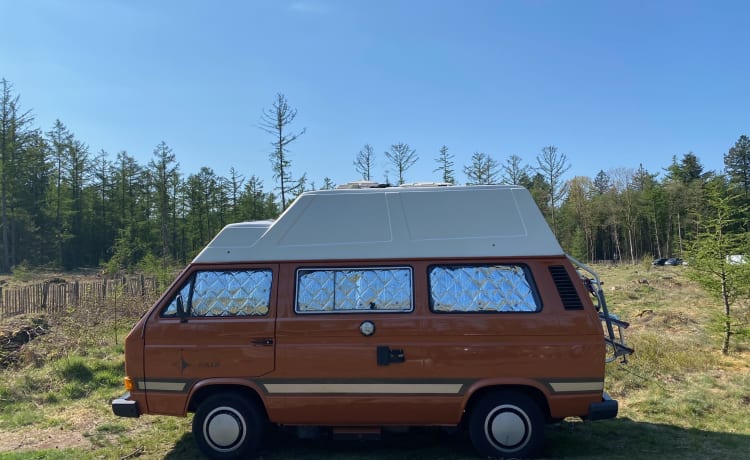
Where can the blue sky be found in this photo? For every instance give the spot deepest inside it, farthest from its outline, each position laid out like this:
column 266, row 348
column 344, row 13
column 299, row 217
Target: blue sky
column 611, row 84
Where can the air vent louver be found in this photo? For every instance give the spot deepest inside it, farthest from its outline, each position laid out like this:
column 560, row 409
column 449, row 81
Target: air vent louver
column 568, row 293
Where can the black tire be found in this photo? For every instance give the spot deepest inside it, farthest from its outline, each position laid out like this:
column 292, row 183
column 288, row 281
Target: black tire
column 507, row 424
column 228, row 426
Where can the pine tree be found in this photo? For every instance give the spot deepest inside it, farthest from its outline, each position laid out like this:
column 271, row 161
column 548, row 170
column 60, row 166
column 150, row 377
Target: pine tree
column 328, row 184
column 98, row 228
column 482, row 170
column 365, row 162
column 579, row 200
column 164, row 173
column 76, row 248
column 255, row 203
column 131, row 213
column 60, row 141
column 514, row 172
column 276, row 121
column 235, row 183
column 737, row 167
column 15, row 135
column 445, row 166
column 552, row 165
column 710, row 256
column 402, row 157
column 687, row 170
column 602, row 183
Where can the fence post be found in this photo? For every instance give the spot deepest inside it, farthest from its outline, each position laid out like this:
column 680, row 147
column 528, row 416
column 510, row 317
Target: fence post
column 76, row 294
column 45, row 293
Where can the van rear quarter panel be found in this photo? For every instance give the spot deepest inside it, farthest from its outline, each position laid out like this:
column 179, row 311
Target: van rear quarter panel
column 327, row 372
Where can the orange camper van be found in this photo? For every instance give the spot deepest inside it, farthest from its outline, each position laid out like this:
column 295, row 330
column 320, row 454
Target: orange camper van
column 371, row 307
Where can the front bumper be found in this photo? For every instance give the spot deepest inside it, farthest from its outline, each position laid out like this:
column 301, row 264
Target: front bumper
column 124, row 407
column 605, row 409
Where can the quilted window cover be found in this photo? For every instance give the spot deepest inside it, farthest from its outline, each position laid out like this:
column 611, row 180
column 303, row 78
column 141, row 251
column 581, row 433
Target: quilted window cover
column 226, row 293
column 484, row 288
column 342, row 290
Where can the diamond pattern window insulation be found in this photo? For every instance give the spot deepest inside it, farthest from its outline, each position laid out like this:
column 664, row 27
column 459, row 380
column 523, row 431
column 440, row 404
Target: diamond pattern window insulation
column 497, row 288
column 232, row 293
column 382, row 289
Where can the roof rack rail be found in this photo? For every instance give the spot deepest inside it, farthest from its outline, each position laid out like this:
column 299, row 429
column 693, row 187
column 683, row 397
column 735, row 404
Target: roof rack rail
column 426, row 184
column 362, row 184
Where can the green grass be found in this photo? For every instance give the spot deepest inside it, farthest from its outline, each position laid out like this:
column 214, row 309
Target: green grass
column 679, row 397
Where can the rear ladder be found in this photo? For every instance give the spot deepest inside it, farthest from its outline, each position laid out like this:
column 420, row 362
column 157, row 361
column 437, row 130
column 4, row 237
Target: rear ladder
column 613, row 326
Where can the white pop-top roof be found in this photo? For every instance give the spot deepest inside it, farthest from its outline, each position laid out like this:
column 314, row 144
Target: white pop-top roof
column 393, row 223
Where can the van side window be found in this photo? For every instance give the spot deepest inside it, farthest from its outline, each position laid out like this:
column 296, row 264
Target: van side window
column 323, row 290
column 481, row 288
column 226, row 293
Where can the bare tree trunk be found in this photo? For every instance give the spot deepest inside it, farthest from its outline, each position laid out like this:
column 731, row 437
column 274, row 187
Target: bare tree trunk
column 616, row 240
column 679, row 233
column 282, row 172
column 6, row 253
column 656, row 235
column 727, row 318
column 631, row 246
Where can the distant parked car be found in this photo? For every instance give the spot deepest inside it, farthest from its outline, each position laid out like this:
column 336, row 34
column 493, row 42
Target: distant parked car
column 659, row 262
column 737, row 259
column 673, row 261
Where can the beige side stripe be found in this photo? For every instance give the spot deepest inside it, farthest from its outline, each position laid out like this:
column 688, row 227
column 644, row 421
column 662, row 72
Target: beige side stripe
column 570, row 387
column 363, row 388
column 161, row 386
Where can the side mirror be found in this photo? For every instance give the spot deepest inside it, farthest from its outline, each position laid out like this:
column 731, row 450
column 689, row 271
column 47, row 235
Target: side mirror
column 181, row 313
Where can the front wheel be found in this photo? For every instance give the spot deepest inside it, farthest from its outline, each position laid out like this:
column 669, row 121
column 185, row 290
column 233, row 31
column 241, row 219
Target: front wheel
column 507, row 424
column 228, row 427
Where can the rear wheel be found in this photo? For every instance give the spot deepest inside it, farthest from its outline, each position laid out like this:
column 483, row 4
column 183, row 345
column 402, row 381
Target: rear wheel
column 228, row 426
column 507, row 424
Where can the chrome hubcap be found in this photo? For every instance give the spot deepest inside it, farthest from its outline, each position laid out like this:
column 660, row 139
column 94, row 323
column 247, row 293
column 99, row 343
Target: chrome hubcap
column 508, row 428
column 224, row 429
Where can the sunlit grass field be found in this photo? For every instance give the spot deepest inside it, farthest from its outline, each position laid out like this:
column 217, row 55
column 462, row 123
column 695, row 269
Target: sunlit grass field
column 680, row 398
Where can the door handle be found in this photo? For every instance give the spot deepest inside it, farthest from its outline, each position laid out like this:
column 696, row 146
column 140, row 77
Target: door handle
column 265, row 342
column 386, row 355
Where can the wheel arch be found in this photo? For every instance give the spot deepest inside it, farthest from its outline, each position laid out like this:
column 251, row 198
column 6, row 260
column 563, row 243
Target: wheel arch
column 205, row 390
column 530, row 390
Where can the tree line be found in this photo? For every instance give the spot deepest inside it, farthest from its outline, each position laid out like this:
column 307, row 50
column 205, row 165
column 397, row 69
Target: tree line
column 64, row 206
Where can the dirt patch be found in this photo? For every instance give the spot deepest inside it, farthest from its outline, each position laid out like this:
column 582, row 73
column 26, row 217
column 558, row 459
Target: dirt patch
column 17, row 332
column 75, row 424
column 38, row 439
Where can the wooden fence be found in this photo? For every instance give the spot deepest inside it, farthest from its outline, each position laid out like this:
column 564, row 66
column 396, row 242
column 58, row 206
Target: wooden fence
column 53, row 297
